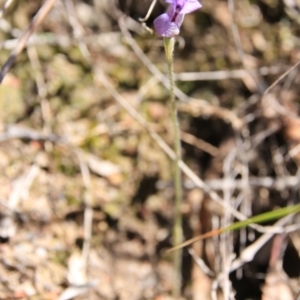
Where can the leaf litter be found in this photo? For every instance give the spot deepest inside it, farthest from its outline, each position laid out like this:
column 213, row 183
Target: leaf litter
column 43, row 197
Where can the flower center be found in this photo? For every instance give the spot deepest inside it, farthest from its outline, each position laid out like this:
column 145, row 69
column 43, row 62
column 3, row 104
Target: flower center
column 177, row 11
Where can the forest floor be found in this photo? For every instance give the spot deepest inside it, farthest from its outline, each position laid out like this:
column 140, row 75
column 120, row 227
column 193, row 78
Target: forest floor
column 86, row 198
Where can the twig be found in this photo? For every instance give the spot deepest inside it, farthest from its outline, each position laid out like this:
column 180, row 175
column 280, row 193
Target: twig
column 197, row 109
column 6, row 5
column 221, row 75
column 238, row 45
column 39, row 17
column 248, row 253
column 100, row 40
column 201, row 264
column 88, row 211
column 102, row 79
column 146, row 61
column 149, row 12
column 143, row 20
column 281, row 77
column 22, row 186
column 226, row 240
column 77, row 29
column 199, row 143
column 21, row 132
column 42, row 91
column 243, row 145
column 279, row 184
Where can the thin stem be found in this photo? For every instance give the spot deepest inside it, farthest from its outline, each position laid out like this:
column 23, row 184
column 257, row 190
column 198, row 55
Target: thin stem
column 143, row 20
column 177, row 229
column 149, row 12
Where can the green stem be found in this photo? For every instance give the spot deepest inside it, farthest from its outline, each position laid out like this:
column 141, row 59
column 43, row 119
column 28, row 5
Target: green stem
column 177, row 229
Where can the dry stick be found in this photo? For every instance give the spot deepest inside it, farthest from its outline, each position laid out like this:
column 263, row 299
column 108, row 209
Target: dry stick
column 22, row 186
column 101, row 78
column 39, row 17
column 238, row 45
column 42, row 92
column 20, row 132
column 149, row 12
column 39, row 77
column 20, row 190
column 226, row 241
column 78, row 31
column 260, row 87
column 241, row 52
column 150, row 66
column 200, row 262
column 279, row 184
column 199, row 143
column 281, row 77
column 245, row 207
column 214, row 75
column 202, row 105
column 88, row 211
column 5, row 7
column 248, row 253
column 221, row 75
column 143, row 20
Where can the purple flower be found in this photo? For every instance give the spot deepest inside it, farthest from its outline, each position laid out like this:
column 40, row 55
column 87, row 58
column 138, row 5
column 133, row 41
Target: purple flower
column 168, row 24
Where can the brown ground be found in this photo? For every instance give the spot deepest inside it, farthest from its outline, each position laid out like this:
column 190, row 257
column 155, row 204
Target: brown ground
column 86, row 198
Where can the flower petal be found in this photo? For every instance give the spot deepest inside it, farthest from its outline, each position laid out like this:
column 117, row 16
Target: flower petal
column 164, row 27
column 190, row 6
column 180, row 3
column 179, row 20
column 171, row 11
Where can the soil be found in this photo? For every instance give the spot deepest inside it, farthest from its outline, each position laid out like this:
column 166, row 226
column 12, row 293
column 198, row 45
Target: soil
column 87, row 197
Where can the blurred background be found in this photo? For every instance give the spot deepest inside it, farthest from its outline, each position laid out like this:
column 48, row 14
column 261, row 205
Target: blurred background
column 86, row 197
